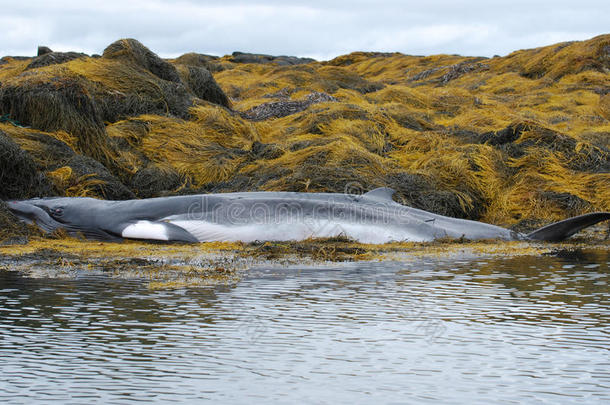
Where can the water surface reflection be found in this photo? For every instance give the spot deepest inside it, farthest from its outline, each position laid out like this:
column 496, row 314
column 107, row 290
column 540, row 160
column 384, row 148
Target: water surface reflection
column 525, row 329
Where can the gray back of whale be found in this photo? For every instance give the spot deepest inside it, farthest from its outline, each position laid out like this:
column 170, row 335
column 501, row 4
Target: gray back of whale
column 372, row 217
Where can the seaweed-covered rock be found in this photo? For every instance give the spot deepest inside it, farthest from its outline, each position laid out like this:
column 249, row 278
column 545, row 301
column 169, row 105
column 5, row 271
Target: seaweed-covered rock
column 504, row 136
column 406, row 118
column 48, row 153
column 152, row 181
column 209, row 62
column 98, row 179
column 19, row 177
column 70, row 173
column 11, row 229
column 201, row 82
column 266, row 150
column 566, row 201
column 559, row 60
column 56, row 103
column 298, row 145
column 334, row 78
column 131, row 50
column 54, row 58
column 511, row 140
column 164, row 98
column 243, row 57
column 355, row 57
column 418, row 192
column 140, row 93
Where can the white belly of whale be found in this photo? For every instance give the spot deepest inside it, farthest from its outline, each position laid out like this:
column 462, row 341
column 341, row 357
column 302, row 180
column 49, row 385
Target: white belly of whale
column 145, row 230
column 365, row 233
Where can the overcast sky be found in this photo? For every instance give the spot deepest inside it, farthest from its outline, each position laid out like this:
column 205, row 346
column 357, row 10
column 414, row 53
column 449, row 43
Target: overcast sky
column 319, row 29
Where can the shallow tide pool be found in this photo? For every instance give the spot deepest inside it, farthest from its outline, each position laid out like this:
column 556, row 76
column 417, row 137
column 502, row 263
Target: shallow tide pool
column 530, row 329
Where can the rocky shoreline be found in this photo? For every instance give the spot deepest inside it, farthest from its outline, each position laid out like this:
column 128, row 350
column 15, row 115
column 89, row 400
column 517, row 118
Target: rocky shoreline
column 517, row 140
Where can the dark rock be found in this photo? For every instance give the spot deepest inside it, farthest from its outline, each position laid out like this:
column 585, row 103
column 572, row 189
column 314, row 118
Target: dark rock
column 452, row 72
column 42, row 50
column 6, row 59
column 460, row 69
column 425, row 74
column 278, row 109
column 242, row 57
column 54, row 58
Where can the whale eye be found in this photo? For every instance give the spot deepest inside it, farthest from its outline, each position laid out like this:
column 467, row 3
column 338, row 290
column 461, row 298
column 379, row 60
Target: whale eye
column 57, row 212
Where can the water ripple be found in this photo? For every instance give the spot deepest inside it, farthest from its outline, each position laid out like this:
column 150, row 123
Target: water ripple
column 494, row 330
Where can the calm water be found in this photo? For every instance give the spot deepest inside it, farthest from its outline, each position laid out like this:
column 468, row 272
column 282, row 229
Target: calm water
column 503, row 331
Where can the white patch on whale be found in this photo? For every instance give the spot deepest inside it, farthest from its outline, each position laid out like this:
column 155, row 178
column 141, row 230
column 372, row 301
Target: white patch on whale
column 146, row 230
column 213, row 232
column 205, row 231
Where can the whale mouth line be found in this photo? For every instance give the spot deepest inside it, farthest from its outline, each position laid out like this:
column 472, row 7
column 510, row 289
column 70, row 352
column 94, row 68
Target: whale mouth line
column 32, row 213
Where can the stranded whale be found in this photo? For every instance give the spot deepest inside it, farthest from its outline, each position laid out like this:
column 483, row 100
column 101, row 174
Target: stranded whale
column 269, row 216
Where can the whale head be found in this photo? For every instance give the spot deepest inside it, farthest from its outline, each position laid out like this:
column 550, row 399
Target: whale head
column 73, row 215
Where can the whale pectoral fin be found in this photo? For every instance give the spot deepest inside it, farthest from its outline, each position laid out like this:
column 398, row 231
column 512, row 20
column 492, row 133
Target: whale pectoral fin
column 381, row 194
column 157, row 230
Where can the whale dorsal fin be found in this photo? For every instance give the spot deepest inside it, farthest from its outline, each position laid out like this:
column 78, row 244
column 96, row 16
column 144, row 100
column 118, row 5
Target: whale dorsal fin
column 381, row 194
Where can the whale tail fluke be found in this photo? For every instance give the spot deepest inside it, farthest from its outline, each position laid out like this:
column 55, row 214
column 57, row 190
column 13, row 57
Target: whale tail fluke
column 561, row 230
